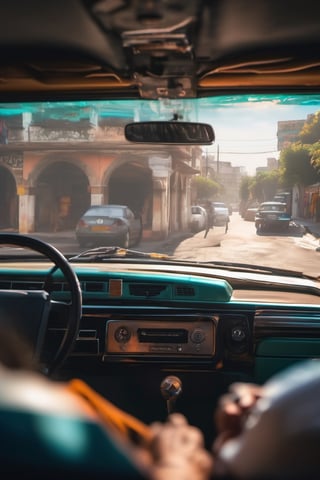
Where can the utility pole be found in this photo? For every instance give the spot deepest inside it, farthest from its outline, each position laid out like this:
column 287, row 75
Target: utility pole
column 218, row 154
column 206, row 162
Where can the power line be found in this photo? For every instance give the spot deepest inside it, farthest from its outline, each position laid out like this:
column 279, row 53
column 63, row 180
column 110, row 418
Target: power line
column 248, row 140
column 249, row 153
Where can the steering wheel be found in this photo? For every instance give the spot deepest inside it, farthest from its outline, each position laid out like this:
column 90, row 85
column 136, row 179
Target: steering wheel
column 28, row 311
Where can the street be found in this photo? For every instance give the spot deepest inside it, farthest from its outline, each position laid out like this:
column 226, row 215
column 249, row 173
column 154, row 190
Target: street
column 295, row 249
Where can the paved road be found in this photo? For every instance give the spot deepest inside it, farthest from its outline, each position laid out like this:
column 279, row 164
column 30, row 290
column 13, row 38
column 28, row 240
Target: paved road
column 66, row 242
column 298, row 249
column 294, row 250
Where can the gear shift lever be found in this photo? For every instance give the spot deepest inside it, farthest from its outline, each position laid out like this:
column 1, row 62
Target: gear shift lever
column 171, row 388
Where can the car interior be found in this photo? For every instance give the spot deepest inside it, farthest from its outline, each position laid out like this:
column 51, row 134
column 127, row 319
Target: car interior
column 146, row 333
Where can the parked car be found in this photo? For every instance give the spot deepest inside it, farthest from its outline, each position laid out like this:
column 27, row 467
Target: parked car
column 109, row 224
column 221, row 213
column 249, row 213
column 198, row 219
column 272, row 216
column 284, row 197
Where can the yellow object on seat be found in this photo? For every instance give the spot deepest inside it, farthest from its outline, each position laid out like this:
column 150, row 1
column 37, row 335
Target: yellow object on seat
column 111, row 415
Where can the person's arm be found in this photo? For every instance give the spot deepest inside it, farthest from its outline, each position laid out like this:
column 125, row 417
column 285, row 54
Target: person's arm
column 229, row 418
column 178, row 452
column 233, row 409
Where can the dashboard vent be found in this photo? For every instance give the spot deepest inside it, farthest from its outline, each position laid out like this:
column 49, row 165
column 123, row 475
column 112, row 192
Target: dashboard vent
column 19, row 285
column 146, row 289
column 89, row 286
column 184, row 291
column 86, row 286
column 60, row 287
column 27, row 285
column 94, row 286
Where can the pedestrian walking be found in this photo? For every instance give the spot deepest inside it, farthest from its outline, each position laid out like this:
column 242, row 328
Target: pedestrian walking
column 227, row 225
column 210, row 217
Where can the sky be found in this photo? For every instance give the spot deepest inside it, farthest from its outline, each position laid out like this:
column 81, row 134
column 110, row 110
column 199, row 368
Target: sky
column 247, row 135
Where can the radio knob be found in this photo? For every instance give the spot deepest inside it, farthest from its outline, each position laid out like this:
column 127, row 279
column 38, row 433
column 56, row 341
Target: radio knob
column 122, row 335
column 197, row 336
column 238, row 334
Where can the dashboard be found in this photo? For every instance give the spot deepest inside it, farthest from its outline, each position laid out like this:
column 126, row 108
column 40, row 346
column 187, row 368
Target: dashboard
column 161, row 314
column 142, row 323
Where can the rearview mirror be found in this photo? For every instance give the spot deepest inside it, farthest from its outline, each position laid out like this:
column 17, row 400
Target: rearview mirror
column 172, row 132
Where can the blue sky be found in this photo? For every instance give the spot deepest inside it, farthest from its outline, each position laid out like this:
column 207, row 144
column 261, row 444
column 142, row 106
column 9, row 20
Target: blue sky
column 246, row 129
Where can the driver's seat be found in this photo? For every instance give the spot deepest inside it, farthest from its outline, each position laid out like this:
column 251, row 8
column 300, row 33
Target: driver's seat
column 49, row 432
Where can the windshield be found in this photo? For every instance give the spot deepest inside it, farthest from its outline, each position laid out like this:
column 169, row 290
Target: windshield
column 196, row 210
column 272, row 207
column 219, row 205
column 58, row 159
column 108, row 211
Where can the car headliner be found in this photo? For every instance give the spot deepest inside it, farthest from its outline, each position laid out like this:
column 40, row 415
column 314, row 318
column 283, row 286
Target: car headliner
column 151, row 49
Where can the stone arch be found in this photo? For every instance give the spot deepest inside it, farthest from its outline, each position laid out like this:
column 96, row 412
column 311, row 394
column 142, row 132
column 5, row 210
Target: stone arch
column 130, row 183
column 62, row 194
column 8, row 200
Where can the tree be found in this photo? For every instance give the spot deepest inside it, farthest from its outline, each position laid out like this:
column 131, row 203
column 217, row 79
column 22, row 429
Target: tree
column 244, row 192
column 310, row 132
column 204, row 188
column 261, row 187
column 315, row 156
column 265, row 185
column 296, row 166
column 310, row 137
column 301, row 161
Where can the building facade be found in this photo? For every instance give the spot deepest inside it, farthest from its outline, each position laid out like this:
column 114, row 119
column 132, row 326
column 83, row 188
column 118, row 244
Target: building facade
column 52, row 170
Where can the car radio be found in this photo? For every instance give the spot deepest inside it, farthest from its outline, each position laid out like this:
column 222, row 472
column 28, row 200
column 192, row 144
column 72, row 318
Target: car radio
column 161, row 337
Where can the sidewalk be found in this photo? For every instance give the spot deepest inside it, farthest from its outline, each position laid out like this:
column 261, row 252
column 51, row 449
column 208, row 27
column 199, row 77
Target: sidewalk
column 311, row 227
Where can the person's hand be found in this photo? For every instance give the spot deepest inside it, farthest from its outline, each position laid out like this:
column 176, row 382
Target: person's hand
column 178, row 451
column 233, row 409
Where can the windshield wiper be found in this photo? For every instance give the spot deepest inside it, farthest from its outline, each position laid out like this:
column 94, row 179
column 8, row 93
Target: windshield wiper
column 114, row 252
column 102, row 253
column 260, row 268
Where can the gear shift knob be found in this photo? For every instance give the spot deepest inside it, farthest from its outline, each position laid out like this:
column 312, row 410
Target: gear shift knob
column 171, row 388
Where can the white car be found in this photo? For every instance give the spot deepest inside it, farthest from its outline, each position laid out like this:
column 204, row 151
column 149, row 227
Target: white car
column 221, row 213
column 198, row 219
